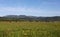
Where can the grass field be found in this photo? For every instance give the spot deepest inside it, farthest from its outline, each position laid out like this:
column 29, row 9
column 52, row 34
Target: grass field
column 29, row 29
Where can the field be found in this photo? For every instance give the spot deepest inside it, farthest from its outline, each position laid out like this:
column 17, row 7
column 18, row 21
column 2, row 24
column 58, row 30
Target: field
column 29, row 29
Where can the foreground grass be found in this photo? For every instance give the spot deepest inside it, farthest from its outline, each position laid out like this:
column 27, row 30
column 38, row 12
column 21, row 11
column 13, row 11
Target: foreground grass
column 29, row 29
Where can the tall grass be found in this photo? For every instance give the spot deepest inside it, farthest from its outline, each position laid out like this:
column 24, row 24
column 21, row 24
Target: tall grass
column 29, row 29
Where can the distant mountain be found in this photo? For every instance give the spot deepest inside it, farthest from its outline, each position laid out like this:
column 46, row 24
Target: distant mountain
column 11, row 16
column 29, row 18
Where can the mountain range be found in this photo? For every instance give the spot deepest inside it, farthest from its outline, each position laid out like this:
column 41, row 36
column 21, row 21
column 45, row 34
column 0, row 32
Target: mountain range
column 28, row 18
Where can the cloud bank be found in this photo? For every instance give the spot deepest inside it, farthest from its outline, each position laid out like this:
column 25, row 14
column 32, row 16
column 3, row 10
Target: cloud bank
column 11, row 9
column 27, row 11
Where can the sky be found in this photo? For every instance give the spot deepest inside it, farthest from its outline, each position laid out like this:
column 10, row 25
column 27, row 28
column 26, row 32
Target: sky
column 30, row 7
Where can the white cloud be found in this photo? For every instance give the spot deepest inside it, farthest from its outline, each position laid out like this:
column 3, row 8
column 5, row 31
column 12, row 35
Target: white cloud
column 27, row 11
column 11, row 9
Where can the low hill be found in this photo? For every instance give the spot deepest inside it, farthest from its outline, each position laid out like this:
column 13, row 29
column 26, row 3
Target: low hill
column 28, row 18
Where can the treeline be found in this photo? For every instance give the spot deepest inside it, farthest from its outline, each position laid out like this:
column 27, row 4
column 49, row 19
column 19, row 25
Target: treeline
column 28, row 18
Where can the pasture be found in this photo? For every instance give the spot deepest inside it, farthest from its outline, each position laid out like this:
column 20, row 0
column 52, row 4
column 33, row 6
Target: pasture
column 29, row 29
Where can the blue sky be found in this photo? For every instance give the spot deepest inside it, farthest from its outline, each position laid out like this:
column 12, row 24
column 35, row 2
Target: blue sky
column 30, row 7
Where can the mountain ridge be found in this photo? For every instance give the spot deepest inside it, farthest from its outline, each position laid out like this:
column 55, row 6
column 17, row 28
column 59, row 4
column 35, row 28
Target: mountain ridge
column 29, row 18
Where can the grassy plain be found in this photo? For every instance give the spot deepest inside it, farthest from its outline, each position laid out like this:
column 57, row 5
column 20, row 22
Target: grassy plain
column 29, row 29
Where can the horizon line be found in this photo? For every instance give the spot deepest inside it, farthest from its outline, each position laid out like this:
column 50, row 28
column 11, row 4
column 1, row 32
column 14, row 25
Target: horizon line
column 28, row 15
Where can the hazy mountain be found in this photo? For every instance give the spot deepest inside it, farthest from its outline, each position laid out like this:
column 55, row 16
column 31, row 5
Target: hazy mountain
column 30, row 18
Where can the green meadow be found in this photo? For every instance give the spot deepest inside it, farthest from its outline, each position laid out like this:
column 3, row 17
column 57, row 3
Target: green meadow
column 29, row 29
